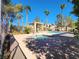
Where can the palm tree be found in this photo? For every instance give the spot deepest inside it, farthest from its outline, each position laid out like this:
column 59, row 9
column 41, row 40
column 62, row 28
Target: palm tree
column 28, row 8
column 8, row 10
column 59, row 21
column 69, row 22
column 11, row 11
column 3, row 3
column 22, row 25
column 19, row 16
column 62, row 6
column 46, row 12
column 18, row 8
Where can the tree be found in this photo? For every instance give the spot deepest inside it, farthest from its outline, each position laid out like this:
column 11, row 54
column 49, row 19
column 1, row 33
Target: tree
column 27, row 8
column 62, row 6
column 60, row 21
column 3, row 49
column 75, row 11
column 22, row 25
column 3, row 3
column 46, row 12
column 8, row 12
column 19, row 16
column 18, row 8
column 69, row 22
column 11, row 11
column 77, row 25
column 76, row 32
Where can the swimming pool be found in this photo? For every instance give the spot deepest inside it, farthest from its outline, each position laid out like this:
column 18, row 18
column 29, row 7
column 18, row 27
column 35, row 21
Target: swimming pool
column 54, row 32
column 40, row 37
column 46, row 37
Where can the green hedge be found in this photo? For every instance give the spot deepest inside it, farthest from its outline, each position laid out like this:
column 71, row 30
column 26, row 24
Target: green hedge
column 27, row 30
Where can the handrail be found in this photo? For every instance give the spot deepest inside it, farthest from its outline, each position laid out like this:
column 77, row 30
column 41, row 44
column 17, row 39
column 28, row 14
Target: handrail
column 19, row 48
column 22, row 52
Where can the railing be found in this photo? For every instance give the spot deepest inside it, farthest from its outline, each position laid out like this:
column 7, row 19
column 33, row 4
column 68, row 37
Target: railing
column 15, row 49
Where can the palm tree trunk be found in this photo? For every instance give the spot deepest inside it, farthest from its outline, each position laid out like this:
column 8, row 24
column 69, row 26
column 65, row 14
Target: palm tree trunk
column 18, row 25
column 46, row 22
column 61, row 19
column 66, row 28
column 26, row 17
column 22, row 26
column 10, row 27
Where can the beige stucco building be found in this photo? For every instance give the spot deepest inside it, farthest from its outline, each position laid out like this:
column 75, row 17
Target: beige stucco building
column 38, row 26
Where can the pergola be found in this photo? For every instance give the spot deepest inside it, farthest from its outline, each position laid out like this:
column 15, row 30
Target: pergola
column 36, row 26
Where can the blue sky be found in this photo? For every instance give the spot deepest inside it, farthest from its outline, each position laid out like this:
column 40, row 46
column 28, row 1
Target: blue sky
column 38, row 7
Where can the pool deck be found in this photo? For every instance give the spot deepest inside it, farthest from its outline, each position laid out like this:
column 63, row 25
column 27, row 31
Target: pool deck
column 23, row 37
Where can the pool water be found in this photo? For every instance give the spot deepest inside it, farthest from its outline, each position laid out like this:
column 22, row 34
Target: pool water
column 45, row 37
column 40, row 37
column 55, row 32
column 43, row 40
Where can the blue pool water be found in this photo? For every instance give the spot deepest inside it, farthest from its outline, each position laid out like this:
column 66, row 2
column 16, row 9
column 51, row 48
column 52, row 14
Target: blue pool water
column 40, row 37
column 51, row 32
column 45, row 37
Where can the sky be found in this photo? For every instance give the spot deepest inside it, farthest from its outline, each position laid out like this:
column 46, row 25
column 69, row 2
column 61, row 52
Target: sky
column 38, row 7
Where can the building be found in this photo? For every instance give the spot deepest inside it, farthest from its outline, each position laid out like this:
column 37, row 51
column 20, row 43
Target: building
column 38, row 26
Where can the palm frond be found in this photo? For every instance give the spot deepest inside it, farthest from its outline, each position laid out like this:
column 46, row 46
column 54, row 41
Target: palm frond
column 18, row 16
column 8, row 8
column 28, row 7
column 46, row 12
column 62, row 6
column 18, row 8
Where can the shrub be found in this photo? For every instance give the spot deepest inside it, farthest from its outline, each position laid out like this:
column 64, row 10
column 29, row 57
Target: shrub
column 27, row 30
column 57, row 29
column 71, row 30
column 76, row 33
column 49, row 30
